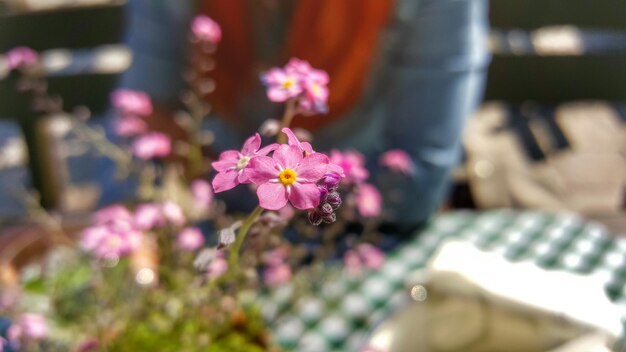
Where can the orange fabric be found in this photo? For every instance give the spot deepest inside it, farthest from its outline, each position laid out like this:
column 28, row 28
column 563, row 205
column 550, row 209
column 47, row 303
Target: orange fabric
column 339, row 36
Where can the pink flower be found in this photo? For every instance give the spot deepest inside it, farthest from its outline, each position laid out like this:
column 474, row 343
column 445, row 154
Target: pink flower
column 315, row 99
column 288, row 176
column 352, row 163
column 129, row 126
column 218, row 266
column 2, row 342
column 298, row 66
column 20, row 57
column 202, row 193
column 114, row 233
column 206, row 30
column 372, row 257
column 113, row 213
column 305, row 147
column 148, row 216
column 369, row 201
column 232, row 163
column 276, row 256
column 365, row 256
column 152, row 145
column 173, row 213
column 398, row 160
column 352, row 262
column 314, row 84
column 30, row 326
column 190, row 239
column 131, row 102
column 282, row 84
column 275, row 275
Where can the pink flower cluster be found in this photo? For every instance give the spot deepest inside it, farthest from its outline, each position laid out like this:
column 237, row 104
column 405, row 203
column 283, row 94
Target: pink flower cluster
column 206, row 30
column 29, row 327
column 113, row 234
column 290, row 175
column 298, row 80
column 364, row 256
column 21, row 57
column 118, row 232
column 277, row 272
column 134, row 107
column 367, row 197
column 398, row 160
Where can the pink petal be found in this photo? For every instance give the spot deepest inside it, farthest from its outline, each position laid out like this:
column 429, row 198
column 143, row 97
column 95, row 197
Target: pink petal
column 313, row 167
column 272, row 196
column 274, row 76
column 288, row 156
column 278, row 95
column 227, row 160
column 268, row 149
column 251, row 145
column 304, row 196
column 261, row 169
column 225, row 180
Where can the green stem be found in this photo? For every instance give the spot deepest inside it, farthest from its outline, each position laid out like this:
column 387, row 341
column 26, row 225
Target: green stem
column 233, row 258
column 290, row 112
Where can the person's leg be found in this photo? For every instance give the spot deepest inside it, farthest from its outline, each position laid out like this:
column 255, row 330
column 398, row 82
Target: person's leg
column 437, row 78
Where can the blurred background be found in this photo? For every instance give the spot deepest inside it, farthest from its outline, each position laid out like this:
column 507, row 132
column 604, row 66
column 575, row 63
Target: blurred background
column 548, row 83
column 511, row 109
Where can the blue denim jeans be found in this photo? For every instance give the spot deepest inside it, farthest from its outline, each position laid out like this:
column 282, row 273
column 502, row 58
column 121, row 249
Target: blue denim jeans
column 431, row 79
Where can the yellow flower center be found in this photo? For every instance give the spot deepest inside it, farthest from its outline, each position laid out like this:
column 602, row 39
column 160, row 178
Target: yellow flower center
column 288, row 83
column 316, row 89
column 243, row 162
column 287, row 177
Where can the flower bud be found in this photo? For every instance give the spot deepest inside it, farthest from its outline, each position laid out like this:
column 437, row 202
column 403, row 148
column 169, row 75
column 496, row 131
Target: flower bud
column 334, row 199
column 323, row 193
column 315, row 218
column 331, row 180
column 329, row 219
column 325, row 209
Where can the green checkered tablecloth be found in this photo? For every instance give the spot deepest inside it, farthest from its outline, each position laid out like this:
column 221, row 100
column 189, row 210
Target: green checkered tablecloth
column 340, row 312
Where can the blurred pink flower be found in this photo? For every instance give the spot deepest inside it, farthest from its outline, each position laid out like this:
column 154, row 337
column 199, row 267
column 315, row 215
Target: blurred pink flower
column 287, row 212
column 352, row 262
column 275, row 275
column 148, row 216
column 3, row 341
column 190, row 239
column 173, row 213
column 218, row 266
column 315, row 99
column 112, row 213
column 398, row 160
column 29, row 326
column 372, row 256
column 365, row 256
column 128, row 126
column 131, row 102
column 114, row 233
column 298, row 66
column 20, row 57
column 206, row 30
column 152, row 145
column 368, row 201
column 276, row 256
column 282, row 84
column 202, row 193
column 288, row 176
column 352, row 163
column 232, row 164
